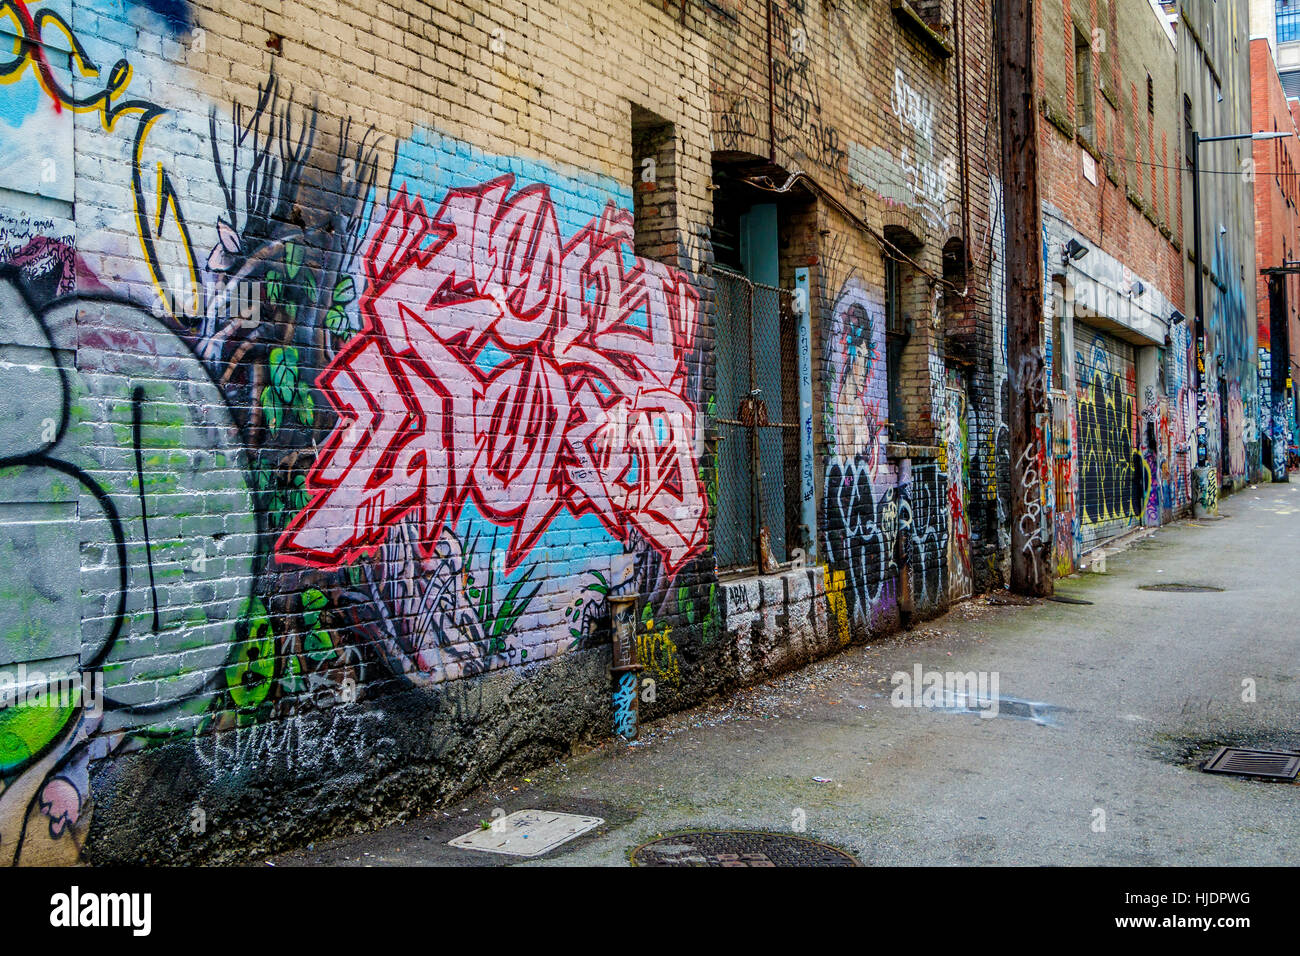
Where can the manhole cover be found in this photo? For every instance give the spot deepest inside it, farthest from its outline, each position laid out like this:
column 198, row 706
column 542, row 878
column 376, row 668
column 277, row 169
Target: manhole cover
column 1269, row 764
column 1181, row 588
column 738, row 848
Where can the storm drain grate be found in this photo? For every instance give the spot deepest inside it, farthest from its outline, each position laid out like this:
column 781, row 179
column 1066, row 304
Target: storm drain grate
column 1269, row 764
column 738, row 848
column 1181, row 588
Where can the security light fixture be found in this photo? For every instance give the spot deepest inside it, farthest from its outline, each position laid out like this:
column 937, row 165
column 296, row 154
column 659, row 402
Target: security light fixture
column 1177, row 317
column 1138, row 289
column 1075, row 250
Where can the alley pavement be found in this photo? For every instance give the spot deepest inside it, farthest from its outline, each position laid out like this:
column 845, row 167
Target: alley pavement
column 1129, row 692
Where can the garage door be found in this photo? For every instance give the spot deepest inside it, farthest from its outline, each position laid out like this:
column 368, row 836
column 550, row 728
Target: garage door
column 1113, row 475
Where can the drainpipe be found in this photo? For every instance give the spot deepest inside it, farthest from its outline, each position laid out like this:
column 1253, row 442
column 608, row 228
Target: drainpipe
column 808, row 510
column 771, row 91
column 959, row 36
column 625, row 665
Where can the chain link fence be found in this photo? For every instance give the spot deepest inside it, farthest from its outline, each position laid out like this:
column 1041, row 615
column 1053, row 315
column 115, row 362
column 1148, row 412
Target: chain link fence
column 758, row 432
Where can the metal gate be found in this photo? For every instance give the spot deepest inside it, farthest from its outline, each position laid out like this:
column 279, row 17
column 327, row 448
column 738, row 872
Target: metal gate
column 758, row 517
column 1112, row 474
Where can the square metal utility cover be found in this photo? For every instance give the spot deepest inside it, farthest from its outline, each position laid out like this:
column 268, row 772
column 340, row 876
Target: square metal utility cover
column 1270, row 764
column 527, row 832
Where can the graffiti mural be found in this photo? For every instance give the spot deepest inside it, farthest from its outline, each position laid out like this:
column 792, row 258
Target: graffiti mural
column 313, row 404
column 498, row 364
column 856, row 400
column 874, row 534
column 956, row 445
column 307, row 434
column 1181, row 451
column 1236, row 434
column 1114, row 478
column 882, row 517
column 128, row 482
column 1230, row 436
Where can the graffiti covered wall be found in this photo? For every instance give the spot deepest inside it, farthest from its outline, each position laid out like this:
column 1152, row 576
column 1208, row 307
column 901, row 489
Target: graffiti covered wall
column 857, row 105
column 313, row 405
column 886, row 518
column 345, row 391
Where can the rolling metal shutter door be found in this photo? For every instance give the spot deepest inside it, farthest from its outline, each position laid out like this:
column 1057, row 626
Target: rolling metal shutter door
column 1113, row 476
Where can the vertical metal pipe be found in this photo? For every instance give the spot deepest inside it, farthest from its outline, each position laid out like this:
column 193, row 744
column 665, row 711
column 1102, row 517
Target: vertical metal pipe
column 756, row 462
column 808, row 511
column 1202, row 402
column 771, row 90
column 625, row 665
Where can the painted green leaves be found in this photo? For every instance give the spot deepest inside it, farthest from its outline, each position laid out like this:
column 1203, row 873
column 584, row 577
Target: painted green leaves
column 253, row 667
column 317, row 644
column 297, row 289
column 287, row 396
column 293, row 256
column 499, row 619
column 270, row 410
column 284, row 373
column 284, row 495
column 336, row 318
column 252, row 660
column 574, row 612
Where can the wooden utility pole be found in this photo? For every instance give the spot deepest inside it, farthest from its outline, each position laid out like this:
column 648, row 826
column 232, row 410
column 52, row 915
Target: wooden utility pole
column 1031, row 525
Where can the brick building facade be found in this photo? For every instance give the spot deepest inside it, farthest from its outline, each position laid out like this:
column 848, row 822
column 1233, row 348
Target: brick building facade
column 870, row 146
column 1117, row 351
column 1277, row 233
column 363, row 359
column 1214, row 76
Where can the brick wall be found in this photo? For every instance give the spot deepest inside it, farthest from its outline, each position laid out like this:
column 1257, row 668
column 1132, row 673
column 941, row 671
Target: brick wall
column 1277, row 231
column 1132, row 208
column 865, row 109
column 310, row 473
column 357, row 356
column 1110, row 179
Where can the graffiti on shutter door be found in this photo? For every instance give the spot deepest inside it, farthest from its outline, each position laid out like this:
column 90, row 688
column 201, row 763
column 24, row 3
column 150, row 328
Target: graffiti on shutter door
column 1114, row 478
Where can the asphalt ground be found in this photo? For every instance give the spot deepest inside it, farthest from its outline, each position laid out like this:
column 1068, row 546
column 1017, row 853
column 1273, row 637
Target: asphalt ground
column 1129, row 694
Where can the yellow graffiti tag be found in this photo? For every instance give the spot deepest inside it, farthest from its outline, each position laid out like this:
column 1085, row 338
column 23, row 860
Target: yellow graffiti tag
column 657, row 652
column 111, row 104
column 839, row 607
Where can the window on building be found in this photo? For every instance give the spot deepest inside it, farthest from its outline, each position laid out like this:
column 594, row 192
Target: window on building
column 1288, row 20
column 654, row 192
column 897, row 332
column 1290, row 83
column 1083, row 113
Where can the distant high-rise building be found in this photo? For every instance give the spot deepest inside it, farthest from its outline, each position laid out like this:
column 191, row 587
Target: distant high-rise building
column 1279, row 22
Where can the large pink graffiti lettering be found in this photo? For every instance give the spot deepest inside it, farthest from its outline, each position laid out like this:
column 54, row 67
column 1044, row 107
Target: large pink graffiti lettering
column 498, row 364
